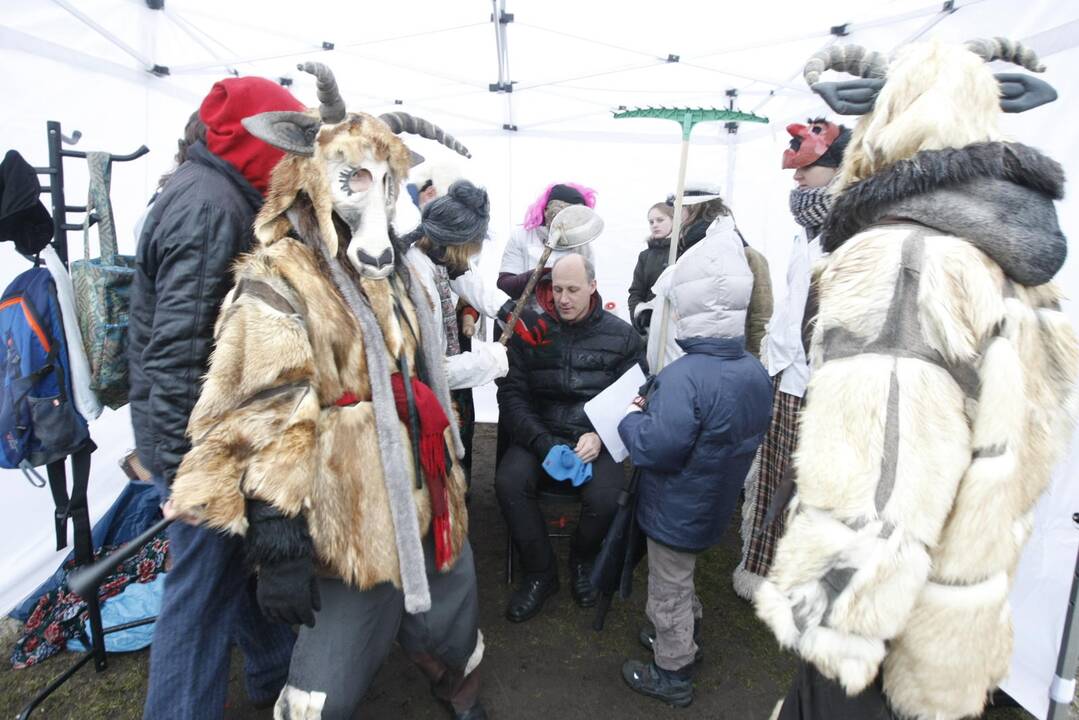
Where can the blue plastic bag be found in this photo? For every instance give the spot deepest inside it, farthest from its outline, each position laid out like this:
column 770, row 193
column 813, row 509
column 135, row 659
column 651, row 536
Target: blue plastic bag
column 563, row 464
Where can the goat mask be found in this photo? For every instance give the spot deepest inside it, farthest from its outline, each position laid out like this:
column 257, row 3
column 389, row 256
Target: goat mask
column 1019, row 92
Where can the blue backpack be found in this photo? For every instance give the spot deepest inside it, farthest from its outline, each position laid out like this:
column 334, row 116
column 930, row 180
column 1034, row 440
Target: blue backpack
column 39, row 424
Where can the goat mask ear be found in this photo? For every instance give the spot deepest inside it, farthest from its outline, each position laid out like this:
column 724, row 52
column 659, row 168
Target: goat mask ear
column 1020, row 92
column 293, row 132
column 414, row 158
column 850, row 97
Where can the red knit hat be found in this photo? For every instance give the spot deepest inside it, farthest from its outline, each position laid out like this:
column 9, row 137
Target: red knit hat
column 232, row 99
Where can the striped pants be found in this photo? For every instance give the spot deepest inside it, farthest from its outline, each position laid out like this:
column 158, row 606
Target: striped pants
column 773, row 459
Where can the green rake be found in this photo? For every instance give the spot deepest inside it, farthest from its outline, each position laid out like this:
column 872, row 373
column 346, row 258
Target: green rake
column 687, row 118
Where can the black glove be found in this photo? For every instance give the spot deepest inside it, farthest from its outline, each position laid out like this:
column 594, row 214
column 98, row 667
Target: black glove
column 648, row 388
column 642, row 321
column 288, row 592
column 280, row 548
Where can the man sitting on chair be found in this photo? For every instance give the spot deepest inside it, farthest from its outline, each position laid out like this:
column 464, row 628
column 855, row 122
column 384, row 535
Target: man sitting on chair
column 557, row 363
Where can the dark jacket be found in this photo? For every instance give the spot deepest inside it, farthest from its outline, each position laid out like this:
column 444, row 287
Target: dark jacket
column 196, row 228
column 694, row 443
column 542, row 397
column 650, row 263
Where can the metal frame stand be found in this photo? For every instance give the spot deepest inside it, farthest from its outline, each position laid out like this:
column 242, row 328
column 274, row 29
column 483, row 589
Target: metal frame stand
column 76, row 508
column 1062, row 689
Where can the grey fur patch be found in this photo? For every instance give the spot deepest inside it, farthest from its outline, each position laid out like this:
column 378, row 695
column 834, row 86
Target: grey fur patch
column 889, row 458
column 835, row 582
column 997, row 196
column 990, row 452
column 901, row 335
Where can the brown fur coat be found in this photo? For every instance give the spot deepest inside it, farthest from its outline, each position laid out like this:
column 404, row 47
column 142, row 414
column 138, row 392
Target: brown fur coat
column 266, row 425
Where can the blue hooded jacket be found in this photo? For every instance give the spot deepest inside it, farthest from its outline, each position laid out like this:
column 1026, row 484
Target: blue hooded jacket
column 708, row 413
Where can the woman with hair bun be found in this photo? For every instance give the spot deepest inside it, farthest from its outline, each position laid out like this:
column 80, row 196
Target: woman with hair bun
column 451, row 233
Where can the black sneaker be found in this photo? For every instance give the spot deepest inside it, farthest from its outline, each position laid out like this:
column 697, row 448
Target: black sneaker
column 527, row 600
column 647, row 637
column 673, row 687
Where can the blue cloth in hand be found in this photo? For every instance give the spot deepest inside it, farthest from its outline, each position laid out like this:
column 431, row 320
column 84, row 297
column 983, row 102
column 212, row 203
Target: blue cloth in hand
column 562, row 463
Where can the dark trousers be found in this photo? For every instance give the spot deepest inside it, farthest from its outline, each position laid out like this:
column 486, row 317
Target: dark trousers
column 208, row 604
column 518, row 479
column 814, row 697
column 465, row 408
column 336, row 660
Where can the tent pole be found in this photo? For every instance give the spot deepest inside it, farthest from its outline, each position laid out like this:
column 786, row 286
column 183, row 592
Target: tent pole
column 89, row 22
column 1062, row 689
column 501, row 18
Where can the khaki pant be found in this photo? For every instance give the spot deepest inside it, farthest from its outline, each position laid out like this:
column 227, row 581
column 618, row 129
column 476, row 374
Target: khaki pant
column 672, row 605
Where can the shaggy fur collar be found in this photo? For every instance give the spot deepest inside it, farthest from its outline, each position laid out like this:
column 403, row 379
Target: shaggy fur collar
column 997, row 196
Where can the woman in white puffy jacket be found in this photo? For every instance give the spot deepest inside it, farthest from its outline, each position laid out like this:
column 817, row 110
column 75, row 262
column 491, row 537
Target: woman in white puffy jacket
column 721, row 246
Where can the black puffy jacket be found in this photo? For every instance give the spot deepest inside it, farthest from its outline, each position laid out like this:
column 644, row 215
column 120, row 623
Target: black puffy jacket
column 195, row 229
column 650, row 264
column 542, row 397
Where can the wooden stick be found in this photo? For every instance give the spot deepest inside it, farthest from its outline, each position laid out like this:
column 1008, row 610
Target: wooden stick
column 521, row 301
column 672, row 254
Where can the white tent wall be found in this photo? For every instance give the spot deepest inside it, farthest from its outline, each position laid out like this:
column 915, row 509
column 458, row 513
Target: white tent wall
column 438, row 59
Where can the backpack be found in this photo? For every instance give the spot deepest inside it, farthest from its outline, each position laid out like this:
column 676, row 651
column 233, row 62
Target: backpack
column 38, row 421
column 103, row 292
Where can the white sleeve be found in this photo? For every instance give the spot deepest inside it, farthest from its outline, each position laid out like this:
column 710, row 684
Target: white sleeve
column 485, row 363
column 480, row 294
column 515, row 256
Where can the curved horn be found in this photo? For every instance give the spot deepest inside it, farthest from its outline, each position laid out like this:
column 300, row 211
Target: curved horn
column 400, row 122
column 853, row 59
column 1002, row 48
column 331, row 107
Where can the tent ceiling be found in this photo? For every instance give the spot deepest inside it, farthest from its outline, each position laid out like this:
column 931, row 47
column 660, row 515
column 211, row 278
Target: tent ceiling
column 571, row 62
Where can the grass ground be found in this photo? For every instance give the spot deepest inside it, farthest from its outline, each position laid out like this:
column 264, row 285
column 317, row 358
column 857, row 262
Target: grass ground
column 554, row 666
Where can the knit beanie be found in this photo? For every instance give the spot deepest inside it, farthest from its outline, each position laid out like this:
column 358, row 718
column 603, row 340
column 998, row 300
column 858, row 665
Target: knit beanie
column 566, row 194
column 230, row 101
column 458, row 217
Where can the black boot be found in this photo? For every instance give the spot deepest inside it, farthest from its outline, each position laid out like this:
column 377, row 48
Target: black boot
column 673, row 687
column 647, row 637
column 580, row 586
column 476, row 712
column 527, row 600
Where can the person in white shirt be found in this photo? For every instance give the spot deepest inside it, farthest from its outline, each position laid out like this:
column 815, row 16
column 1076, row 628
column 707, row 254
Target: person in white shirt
column 526, row 243
column 815, row 153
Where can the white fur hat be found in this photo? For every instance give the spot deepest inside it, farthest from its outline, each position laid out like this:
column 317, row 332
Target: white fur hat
column 439, row 173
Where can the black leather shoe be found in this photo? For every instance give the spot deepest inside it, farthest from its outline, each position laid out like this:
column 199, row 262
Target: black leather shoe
column 527, row 600
column 671, row 686
column 476, row 712
column 580, row 587
column 647, row 637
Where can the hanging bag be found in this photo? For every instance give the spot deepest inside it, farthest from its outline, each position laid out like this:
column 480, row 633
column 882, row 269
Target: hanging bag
column 103, row 292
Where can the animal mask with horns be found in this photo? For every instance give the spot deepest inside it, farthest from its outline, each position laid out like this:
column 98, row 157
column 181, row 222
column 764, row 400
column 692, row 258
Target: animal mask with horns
column 929, row 96
column 350, row 166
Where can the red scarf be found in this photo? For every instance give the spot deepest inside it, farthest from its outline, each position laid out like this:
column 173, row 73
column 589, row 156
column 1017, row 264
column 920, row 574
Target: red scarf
column 433, row 422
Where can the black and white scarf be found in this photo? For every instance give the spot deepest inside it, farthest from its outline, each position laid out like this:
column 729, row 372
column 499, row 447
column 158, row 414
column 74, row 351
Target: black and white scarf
column 809, row 206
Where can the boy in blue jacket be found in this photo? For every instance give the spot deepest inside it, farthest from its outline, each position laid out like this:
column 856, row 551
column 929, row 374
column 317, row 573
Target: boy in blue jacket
column 693, row 441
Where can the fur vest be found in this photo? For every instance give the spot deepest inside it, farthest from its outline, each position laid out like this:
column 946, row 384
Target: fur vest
column 267, row 424
column 943, row 392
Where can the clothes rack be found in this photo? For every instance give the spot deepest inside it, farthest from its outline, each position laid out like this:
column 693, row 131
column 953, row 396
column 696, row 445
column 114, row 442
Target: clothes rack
column 73, row 506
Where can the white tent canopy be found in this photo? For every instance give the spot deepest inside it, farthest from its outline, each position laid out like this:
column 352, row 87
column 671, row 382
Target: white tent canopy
column 125, row 75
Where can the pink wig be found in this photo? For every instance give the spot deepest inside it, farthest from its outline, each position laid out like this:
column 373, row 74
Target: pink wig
column 534, row 214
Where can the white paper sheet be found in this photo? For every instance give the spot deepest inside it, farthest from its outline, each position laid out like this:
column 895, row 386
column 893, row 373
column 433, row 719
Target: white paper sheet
column 608, row 408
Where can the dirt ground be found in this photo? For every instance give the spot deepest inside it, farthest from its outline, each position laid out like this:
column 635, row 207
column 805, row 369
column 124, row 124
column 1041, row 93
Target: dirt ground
column 554, row 666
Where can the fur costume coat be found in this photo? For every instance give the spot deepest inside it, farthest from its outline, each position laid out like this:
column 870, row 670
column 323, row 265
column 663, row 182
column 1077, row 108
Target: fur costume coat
column 274, row 423
column 943, row 392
